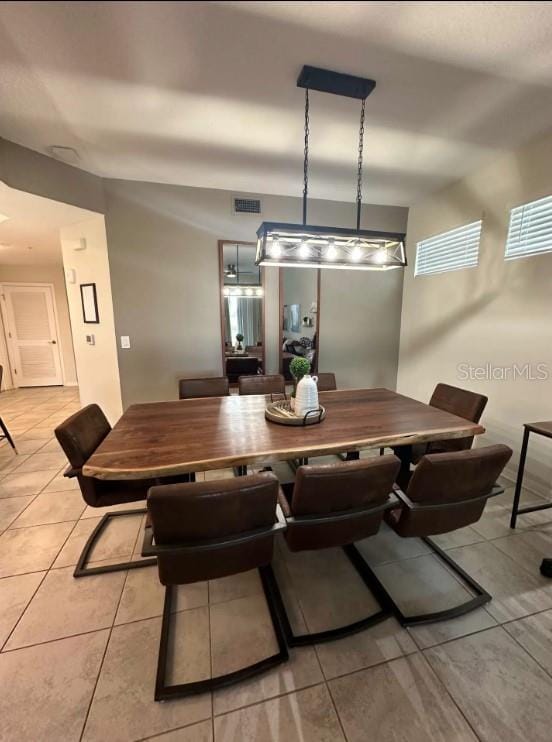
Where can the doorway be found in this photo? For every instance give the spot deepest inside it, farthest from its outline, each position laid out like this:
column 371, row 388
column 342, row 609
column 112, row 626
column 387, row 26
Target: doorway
column 32, row 336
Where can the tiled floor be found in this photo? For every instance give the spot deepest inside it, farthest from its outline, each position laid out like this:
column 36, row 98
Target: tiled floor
column 78, row 657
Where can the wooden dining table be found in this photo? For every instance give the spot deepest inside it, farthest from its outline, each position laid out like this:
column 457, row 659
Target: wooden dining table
column 168, row 438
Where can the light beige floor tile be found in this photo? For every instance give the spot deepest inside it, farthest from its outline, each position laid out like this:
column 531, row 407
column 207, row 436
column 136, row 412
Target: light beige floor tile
column 64, row 606
column 235, row 586
column 380, row 643
column 301, row 670
column 386, row 546
column 516, row 592
column 116, row 541
column 241, row 634
column 143, row 596
column 527, row 548
column 51, row 508
column 29, row 445
column 10, row 462
column 305, row 716
column 460, row 537
column 31, row 549
column 215, row 474
column 202, row 732
column 400, row 700
column 422, row 585
column 328, row 589
column 429, row 635
column 534, row 633
column 42, row 462
column 46, row 689
column 123, row 708
column 26, row 483
column 500, row 689
column 59, row 483
column 50, row 447
column 10, row 507
column 495, row 521
column 15, row 594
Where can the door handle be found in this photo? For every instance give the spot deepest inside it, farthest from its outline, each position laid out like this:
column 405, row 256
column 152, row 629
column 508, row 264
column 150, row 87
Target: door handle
column 52, row 342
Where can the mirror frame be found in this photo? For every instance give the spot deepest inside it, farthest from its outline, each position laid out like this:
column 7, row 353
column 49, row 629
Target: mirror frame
column 221, row 244
column 281, row 317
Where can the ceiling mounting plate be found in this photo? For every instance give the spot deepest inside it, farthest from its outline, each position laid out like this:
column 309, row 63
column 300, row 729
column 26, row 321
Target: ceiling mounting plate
column 337, row 83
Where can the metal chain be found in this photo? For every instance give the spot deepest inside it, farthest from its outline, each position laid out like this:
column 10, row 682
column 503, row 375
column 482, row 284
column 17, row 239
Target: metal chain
column 306, row 158
column 360, row 153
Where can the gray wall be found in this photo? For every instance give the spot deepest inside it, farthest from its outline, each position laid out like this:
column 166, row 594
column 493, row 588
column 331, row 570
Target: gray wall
column 163, row 260
column 164, row 271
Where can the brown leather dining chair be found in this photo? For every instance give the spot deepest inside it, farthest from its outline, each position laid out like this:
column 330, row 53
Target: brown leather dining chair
column 448, row 491
column 215, row 386
column 327, row 382
column 333, row 505
column 79, row 436
column 206, row 530
column 262, row 384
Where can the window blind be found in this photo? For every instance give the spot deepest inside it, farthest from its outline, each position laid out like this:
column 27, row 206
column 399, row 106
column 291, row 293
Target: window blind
column 530, row 230
column 450, row 251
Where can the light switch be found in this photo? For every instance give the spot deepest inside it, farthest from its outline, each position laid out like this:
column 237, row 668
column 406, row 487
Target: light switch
column 125, row 341
column 90, row 339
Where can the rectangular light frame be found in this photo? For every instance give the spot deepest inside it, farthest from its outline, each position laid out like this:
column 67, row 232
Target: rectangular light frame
column 308, row 246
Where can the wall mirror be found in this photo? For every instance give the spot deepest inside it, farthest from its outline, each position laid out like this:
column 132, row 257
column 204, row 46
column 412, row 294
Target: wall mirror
column 242, row 295
column 299, row 316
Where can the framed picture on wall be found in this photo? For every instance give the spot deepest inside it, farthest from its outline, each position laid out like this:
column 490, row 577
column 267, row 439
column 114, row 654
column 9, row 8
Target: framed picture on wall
column 89, row 303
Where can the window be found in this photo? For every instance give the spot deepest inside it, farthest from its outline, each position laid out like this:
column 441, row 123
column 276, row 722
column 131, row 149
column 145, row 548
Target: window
column 530, row 231
column 449, row 251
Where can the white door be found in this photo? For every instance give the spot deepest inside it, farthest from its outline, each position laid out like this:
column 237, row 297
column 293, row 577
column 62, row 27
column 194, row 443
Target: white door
column 30, row 323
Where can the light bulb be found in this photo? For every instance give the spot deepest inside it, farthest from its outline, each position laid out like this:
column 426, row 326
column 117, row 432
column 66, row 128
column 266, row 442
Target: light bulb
column 275, row 249
column 259, row 292
column 226, row 291
column 356, row 255
column 304, row 250
column 331, row 252
column 238, row 292
column 380, row 256
column 249, row 292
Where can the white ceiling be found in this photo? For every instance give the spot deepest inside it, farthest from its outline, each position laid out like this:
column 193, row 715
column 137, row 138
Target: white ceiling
column 204, row 94
column 30, row 234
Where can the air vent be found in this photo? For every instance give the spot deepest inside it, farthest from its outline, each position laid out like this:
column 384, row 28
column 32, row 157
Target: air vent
column 247, row 205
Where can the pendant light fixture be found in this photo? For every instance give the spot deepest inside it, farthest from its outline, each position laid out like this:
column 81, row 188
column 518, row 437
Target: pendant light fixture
column 304, row 245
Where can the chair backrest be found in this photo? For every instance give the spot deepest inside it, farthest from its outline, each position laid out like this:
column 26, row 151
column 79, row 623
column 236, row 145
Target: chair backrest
column 460, row 480
column 81, row 434
column 461, row 402
column 199, row 512
column 261, row 384
column 216, row 386
column 236, row 367
column 354, row 488
column 326, row 382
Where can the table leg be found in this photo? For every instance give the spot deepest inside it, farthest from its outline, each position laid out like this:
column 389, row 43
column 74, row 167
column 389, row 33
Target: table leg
column 519, row 481
column 404, row 453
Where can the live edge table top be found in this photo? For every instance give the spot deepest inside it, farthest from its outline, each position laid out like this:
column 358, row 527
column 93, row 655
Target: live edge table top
column 166, row 438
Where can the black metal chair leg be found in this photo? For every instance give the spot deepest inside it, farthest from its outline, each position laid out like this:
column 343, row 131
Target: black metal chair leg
column 298, row 640
column 240, row 471
column 519, row 480
column 7, row 435
column 165, row 692
column 481, row 595
column 81, row 570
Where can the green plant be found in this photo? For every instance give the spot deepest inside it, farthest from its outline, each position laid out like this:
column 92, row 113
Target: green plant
column 239, row 337
column 298, row 367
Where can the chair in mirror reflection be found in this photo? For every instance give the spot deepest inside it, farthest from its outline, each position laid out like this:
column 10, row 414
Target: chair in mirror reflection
column 242, row 311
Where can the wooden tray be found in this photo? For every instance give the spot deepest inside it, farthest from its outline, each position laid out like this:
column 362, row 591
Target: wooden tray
column 280, row 412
